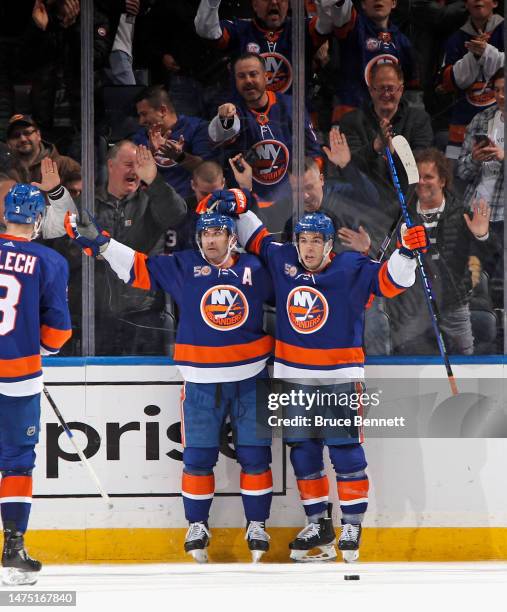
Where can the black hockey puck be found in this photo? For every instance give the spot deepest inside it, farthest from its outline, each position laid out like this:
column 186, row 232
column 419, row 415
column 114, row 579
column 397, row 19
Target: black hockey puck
column 351, row 577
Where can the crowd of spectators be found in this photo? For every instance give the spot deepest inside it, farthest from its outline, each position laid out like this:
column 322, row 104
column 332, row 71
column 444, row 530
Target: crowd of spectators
column 195, row 96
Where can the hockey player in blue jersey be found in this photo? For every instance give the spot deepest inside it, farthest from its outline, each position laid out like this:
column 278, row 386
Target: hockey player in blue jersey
column 320, row 302
column 34, row 320
column 221, row 350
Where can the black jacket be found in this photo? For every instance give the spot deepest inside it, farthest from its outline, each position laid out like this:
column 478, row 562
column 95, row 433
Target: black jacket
column 448, row 274
column 362, row 126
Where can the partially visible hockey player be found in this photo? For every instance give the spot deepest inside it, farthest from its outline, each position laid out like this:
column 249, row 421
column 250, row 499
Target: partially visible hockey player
column 326, row 347
column 34, row 320
column 220, row 350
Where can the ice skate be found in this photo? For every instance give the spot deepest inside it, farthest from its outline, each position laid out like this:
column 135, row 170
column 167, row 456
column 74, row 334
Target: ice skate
column 319, row 535
column 18, row 567
column 197, row 540
column 258, row 539
column 349, row 541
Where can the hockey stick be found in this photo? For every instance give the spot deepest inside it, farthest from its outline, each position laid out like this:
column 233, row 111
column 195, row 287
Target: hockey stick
column 406, row 158
column 80, row 453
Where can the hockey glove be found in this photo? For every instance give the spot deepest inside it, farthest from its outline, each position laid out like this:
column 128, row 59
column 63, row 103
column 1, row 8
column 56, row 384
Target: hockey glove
column 412, row 239
column 231, row 202
column 90, row 237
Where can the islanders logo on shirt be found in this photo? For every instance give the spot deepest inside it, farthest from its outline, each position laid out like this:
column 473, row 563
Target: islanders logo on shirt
column 480, row 94
column 278, row 72
column 224, row 307
column 272, row 161
column 307, row 309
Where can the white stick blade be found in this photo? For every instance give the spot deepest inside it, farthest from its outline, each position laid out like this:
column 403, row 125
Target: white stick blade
column 406, row 157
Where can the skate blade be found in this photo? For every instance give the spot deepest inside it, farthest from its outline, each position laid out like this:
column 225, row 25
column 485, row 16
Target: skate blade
column 256, row 555
column 350, row 556
column 12, row 576
column 327, row 553
column 199, row 555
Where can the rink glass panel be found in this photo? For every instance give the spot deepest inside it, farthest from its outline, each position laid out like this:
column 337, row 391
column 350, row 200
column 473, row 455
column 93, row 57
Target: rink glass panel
column 109, row 328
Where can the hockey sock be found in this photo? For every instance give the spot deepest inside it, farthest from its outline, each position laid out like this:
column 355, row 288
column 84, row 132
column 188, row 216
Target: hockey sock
column 353, row 495
column 16, row 500
column 256, row 481
column 197, row 491
column 307, row 459
column 314, row 493
column 257, row 493
column 198, row 482
column 349, row 463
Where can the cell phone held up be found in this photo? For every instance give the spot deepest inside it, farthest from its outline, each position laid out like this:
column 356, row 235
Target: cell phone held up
column 239, row 165
column 482, row 140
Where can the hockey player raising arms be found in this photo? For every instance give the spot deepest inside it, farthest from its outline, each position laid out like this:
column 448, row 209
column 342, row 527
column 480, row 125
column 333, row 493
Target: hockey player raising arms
column 220, row 350
column 34, row 319
column 325, row 347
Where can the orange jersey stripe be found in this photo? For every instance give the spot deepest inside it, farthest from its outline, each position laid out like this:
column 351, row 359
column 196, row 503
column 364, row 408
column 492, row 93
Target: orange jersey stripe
column 340, row 110
column 198, row 485
column 353, row 489
column 224, row 354
column 256, row 482
column 343, row 30
column 388, row 288
column 141, row 275
column 223, row 41
column 320, row 163
column 55, row 338
column 324, row 357
column 265, row 203
column 457, row 133
column 16, row 486
column 255, row 245
column 447, row 80
column 313, row 489
column 182, row 414
column 22, row 366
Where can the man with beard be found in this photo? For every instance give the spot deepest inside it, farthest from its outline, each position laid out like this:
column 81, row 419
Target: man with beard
column 24, row 138
column 260, row 124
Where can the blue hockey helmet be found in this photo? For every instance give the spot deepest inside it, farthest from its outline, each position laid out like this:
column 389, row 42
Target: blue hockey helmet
column 315, row 222
column 211, row 219
column 23, row 204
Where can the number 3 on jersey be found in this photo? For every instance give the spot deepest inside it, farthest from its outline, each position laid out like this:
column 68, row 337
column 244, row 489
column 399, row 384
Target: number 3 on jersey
column 10, row 290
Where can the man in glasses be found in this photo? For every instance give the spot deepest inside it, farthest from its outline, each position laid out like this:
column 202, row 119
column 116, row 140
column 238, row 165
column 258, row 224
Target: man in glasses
column 25, row 140
column 385, row 115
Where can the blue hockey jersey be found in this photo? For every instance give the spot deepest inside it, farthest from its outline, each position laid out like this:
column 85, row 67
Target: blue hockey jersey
column 220, row 336
column 275, row 46
column 266, row 139
column 34, row 315
column 320, row 317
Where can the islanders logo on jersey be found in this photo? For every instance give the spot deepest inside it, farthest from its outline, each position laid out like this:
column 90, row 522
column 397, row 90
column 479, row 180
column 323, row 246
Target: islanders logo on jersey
column 224, row 307
column 480, row 94
column 272, row 161
column 307, row 309
column 164, row 162
column 278, row 72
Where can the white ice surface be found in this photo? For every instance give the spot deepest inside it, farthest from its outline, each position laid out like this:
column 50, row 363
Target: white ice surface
column 428, row 587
